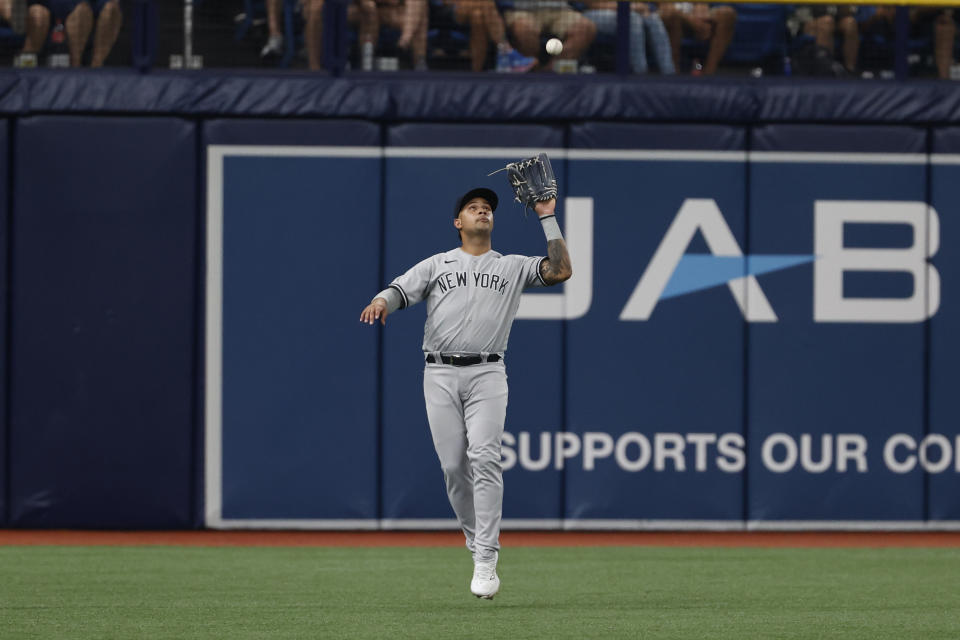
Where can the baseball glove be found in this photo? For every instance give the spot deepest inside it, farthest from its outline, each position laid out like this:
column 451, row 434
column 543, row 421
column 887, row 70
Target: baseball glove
column 532, row 180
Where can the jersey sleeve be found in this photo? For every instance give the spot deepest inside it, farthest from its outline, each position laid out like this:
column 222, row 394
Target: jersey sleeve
column 414, row 285
column 530, row 271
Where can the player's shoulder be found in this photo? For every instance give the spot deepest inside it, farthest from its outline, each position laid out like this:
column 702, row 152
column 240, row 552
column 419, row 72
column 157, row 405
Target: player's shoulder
column 519, row 259
column 524, row 264
column 436, row 258
column 459, row 255
column 446, row 259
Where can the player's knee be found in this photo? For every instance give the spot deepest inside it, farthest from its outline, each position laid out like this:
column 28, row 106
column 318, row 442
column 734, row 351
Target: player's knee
column 453, row 469
column 486, row 455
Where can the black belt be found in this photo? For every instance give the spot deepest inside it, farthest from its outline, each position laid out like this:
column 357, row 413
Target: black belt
column 463, row 360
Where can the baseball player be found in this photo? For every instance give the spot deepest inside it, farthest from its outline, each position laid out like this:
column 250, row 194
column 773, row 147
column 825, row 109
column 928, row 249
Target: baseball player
column 472, row 295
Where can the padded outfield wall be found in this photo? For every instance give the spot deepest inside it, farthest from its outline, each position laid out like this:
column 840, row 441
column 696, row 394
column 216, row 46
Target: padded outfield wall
column 758, row 332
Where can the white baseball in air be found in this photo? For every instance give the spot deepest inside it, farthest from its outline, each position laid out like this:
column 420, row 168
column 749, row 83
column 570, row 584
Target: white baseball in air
column 554, row 46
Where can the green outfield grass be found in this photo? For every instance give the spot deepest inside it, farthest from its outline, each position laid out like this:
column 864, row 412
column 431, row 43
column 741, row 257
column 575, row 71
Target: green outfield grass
column 636, row 592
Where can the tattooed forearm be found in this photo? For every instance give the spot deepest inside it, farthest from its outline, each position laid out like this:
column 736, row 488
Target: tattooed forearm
column 556, row 268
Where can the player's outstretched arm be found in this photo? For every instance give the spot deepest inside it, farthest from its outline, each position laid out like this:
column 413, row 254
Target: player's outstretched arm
column 383, row 304
column 556, row 268
column 376, row 310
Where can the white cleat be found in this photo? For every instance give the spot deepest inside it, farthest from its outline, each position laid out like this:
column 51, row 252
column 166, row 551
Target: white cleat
column 485, row 583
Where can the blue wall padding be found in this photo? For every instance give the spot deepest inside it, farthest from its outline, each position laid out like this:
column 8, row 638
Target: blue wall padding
column 493, row 98
column 4, row 371
column 103, row 323
column 944, row 343
column 839, row 138
column 300, row 384
column 701, row 137
column 418, row 222
column 680, row 371
column 292, row 132
column 475, row 135
column 850, row 101
column 323, row 418
column 829, row 377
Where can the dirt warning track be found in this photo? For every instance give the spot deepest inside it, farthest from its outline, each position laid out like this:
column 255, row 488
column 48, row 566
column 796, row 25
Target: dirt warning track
column 10, row 537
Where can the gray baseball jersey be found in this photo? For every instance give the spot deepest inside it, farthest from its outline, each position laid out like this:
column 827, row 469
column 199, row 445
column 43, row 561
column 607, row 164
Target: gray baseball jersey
column 471, row 304
column 471, row 300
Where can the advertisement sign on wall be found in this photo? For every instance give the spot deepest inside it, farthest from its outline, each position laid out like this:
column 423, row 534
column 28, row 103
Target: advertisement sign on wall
column 752, row 337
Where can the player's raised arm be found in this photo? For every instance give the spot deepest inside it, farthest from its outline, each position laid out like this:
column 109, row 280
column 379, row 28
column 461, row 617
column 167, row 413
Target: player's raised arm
column 535, row 186
column 556, row 268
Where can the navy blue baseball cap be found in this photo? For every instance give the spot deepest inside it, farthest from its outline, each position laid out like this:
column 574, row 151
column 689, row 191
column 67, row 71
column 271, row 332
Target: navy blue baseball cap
column 480, row 192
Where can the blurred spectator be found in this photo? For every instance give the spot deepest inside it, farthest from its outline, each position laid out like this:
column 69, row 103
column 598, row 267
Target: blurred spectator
column 924, row 21
column 14, row 12
column 824, row 23
column 274, row 45
column 531, row 19
column 79, row 18
column 109, row 19
column 312, row 32
column 409, row 16
column 643, row 23
column 705, row 23
column 486, row 26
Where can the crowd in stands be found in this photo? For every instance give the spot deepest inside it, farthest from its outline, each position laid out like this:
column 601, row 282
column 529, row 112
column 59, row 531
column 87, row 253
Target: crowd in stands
column 838, row 33
column 76, row 25
column 509, row 35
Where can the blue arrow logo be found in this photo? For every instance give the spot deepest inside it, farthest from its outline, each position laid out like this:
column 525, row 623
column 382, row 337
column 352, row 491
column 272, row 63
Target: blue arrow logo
column 697, row 271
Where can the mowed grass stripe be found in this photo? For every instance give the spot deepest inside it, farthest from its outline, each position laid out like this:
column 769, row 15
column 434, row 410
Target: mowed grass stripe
column 583, row 592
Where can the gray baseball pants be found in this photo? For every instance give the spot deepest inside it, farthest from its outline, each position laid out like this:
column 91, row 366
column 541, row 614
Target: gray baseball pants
column 466, row 407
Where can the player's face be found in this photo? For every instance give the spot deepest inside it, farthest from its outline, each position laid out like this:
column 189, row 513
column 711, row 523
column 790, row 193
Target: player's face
column 476, row 216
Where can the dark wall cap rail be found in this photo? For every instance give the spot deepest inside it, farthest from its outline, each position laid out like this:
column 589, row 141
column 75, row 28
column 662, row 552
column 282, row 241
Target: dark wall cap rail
column 468, row 97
